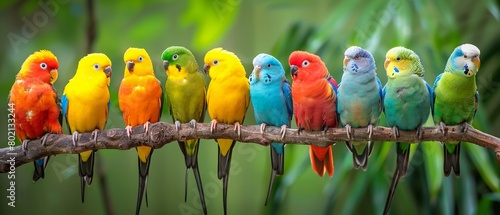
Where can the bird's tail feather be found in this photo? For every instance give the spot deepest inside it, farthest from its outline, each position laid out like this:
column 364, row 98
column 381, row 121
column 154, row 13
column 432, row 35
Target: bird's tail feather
column 321, row 160
column 86, row 171
column 143, row 181
column 40, row 165
column 451, row 160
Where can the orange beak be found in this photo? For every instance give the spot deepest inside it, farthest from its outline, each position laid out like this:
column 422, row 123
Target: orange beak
column 53, row 75
column 386, row 63
column 346, row 61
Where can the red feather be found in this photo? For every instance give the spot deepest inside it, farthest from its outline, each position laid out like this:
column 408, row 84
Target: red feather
column 314, row 104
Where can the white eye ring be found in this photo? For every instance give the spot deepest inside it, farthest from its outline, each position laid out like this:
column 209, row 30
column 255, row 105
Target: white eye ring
column 305, row 63
column 43, row 65
column 175, row 57
column 139, row 59
column 216, row 62
column 97, row 67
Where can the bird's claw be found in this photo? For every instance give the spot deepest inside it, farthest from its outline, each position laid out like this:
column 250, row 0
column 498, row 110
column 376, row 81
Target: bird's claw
column 193, row 123
column 177, row 125
column 465, row 127
column 300, row 129
column 237, row 128
column 24, row 145
column 370, row 131
column 348, row 130
column 146, row 127
column 213, row 125
column 129, row 130
column 262, row 128
column 442, row 128
column 75, row 138
column 94, row 135
column 395, row 131
column 420, row 132
column 283, row 131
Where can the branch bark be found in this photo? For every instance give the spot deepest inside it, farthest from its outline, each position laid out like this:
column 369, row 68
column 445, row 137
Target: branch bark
column 162, row 133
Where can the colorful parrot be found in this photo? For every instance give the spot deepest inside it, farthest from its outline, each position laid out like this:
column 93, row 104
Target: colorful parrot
column 407, row 104
column 186, row 92
column 140, row 98
column 456, row 98
column 35, row 105
column 359, row 100
column 87, row 94
column 271, row 97
column 227, row 99
column 314, row 98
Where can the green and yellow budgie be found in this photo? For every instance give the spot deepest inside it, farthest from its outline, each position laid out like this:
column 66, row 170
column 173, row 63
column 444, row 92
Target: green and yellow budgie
column 456, row 98
column 85, row 105
column 186, row 92
column 228, row 97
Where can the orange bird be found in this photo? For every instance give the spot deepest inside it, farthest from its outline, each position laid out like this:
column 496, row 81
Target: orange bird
column 140, row 100
column 314, row 95
column 33, row 103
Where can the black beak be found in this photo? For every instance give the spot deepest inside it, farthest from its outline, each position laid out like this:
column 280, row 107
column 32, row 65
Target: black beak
column 130, row 66
column 108, row 71
column 206, row 68
column 165, row 64
column 294, row 70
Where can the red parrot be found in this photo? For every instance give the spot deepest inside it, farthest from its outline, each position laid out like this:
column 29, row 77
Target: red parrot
column 34, row 103
column 313, row 95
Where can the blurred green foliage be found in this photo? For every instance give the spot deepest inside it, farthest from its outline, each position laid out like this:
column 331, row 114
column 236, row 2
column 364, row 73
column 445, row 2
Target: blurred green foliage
column 431, row 28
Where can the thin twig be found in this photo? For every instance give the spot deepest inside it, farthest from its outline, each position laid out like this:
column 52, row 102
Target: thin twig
column 162, row 133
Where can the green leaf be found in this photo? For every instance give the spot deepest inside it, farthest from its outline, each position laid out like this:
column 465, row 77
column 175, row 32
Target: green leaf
column 484, row 165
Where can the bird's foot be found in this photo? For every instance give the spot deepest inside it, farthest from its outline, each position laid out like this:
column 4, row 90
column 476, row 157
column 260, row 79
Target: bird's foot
column 262, row 128
column 44, row 138
column 213, row 125
column 395, row 132
column 442, row 128
column 283, row 131
column 465, row 127
column 420, row 132
column 75, row 138
column 94, row 135
column 237, row 128
column 24, row 145
column 193, row 123
column 300, row 129
column 348, row 130
column 370, row 131
column 146, row 127
column 129, row 130
column 177, row 125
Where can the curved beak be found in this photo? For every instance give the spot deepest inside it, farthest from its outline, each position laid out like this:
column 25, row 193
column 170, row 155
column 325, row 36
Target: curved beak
column 53, row 75
column 108, row 71
column 294, row 70
column 165, row 64
column 476, row 62
column 346, row 61
column 206, row 68
column 130, row 66
column 256, row 70
column 386, row 63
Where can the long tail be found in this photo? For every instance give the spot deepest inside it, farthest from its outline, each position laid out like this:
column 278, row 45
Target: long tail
column 40, row 165
column 143, row 180
column 224, row 166
column 403, row 157
column 451, row 159
column 360, row 159
column 278, row 163
column 192, row 162
column 321, row 160
column 85, row 170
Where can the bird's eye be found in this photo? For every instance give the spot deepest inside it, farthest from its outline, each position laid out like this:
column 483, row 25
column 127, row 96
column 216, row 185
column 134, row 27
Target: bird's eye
column 398, row 59
column 139, row 59
column 268, row 65
column 97, row 67
column 216, row 62
column 43, row 65
column 175, row 57
column 356, row 57
column 465, row 56
column 305, row 63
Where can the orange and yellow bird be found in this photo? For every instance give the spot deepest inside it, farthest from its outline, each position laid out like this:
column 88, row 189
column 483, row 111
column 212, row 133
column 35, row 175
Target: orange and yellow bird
column 33, row 103
column 140, row 100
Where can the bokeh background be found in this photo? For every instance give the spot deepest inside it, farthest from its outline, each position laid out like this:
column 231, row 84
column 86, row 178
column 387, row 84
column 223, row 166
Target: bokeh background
column 278, row 27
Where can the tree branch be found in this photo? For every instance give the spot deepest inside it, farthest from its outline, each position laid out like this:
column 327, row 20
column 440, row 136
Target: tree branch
column 162, row 133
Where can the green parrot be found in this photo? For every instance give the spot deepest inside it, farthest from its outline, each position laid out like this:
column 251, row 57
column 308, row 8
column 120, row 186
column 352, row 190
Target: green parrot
column 185, row 93
column 456, row 98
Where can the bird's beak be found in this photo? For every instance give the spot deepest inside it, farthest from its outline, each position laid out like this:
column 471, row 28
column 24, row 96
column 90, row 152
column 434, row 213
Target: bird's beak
column 386, row 63
column 130, row 66
column 53, row 75
column 476, row 62
column 294, row 70
column 108, row 71
column 346, row 61
column 165, row 64
column 206, row 68
column 256, row 70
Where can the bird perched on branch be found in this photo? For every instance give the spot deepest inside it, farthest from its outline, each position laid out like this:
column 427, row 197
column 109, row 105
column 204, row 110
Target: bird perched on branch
column 228, row 97
column 33, row 103
column 456, row 99
column 359, row 100
column 186, row 93
column 271, row 98
column 140, row 98
column 314, row 98
column 407, row 104
column 87, row 94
